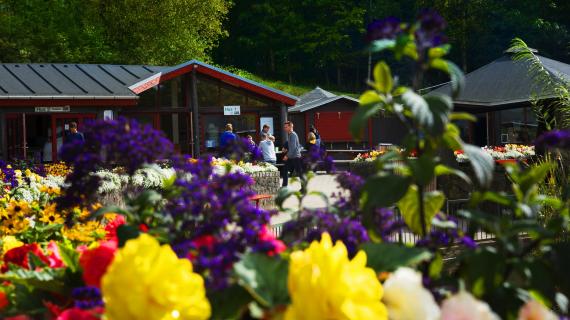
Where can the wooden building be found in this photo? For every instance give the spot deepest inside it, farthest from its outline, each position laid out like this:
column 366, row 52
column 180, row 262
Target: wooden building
column 331, row 114
column 190, row 102
column 499, row 94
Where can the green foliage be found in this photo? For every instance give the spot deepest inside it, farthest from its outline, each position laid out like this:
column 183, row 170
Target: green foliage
column 410, row 208
column 265, row 278
column 385, row 257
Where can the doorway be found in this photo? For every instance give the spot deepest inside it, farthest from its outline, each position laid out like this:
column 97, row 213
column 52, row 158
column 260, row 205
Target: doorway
column 30, row 135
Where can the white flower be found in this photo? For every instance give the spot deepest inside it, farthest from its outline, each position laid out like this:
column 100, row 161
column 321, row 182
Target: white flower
column 534, row 310
column 463, row 306
column 407, row 299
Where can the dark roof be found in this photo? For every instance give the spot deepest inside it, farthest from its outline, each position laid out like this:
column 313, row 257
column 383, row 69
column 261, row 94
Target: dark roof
column 503, row 84
column 70, row 81
column 228, row 77
column 316, row 98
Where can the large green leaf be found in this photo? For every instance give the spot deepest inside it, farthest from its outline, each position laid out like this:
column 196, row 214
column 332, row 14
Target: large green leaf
column 482, row 163
column 441, row 170
column 382, row 78
column 423, row 168
column 230, row 303
column 419, row 108
column 389, row 257
column 454, row 72
column 384, row 190
column 370, row 104
column 265, row 278
column 45, row 279
column 69, row 256
column 410, row 209
column 440, row 106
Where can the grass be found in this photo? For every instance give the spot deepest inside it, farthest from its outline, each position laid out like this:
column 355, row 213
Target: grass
column 294, row 89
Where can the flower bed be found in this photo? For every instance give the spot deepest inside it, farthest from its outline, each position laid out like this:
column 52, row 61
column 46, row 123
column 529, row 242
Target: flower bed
column 508, row 152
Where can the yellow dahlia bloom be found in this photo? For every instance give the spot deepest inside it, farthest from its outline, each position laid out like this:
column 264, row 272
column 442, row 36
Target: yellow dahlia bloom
column 325, row 284
column 148, row 281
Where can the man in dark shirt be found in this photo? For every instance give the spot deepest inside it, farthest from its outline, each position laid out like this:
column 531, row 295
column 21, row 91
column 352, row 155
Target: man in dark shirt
column 73, row 134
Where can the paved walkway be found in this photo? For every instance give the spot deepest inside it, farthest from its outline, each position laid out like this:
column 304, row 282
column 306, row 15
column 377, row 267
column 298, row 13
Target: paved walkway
column 325, row 183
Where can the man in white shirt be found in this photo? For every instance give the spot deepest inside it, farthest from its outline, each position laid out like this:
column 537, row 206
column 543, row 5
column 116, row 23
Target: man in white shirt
column 267, row 149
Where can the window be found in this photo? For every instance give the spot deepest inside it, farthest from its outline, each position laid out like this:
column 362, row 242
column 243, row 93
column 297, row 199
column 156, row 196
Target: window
column 147, row 99
column 176, row 127
column 230, row 97
column 208, row 94
column 171, row 93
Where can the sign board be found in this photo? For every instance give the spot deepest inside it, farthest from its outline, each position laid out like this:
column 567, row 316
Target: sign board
column 108, row 114
column 266, row 121
column 52, row 109
column 232, row 110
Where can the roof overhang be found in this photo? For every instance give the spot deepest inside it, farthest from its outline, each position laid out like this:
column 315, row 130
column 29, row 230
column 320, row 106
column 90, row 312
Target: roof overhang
column 216, row 73
column 316, row 104
column 27, row 101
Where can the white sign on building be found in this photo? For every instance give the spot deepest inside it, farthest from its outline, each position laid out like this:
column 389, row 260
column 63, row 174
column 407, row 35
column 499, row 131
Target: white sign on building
column 232, row 110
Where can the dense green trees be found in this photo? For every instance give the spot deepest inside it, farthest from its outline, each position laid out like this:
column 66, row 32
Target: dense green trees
column 312, row 42
column 127, row 31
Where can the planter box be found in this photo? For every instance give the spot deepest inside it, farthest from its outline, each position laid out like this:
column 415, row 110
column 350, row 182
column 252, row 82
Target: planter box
column 266, row 183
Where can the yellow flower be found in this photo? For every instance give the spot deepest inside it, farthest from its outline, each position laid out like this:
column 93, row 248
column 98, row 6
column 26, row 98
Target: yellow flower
column 148, row 281
column 50, row 216
column 50, row 190
column 10, row 242
column 85, row 232
column 13, row 225
column 18, row 208
column 325, row 284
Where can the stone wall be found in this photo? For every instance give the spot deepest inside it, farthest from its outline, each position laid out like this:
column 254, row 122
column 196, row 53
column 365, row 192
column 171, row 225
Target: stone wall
column 267, row 183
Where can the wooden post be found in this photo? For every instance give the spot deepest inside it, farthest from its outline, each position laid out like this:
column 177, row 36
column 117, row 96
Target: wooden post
column 4, row 139
column 195, row 114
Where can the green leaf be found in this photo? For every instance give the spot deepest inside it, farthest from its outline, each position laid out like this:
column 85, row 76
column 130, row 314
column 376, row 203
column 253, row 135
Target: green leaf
column 455, row 73
column 440, row 106
column 283, row 194
column 388, row 257
column 361, row 116
column 45, row 279
column 381, row 45
column 482, row 163
column 455, row 116
column 69, row 256
column 419, row 108
column 230, row 303
column 436, row 266
column 422, row 169
column 126, row 233
column 482, row 270
column 451, row 137
column 370, row 97
column 438, row 52
column 410, row 209
column 384, row 190
column 265, row 278
column 441, row 170
column 382, row 78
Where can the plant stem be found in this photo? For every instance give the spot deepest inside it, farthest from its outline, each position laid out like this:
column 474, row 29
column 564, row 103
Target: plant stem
column 422, row 209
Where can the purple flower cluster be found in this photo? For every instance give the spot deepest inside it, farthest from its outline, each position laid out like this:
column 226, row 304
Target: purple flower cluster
column 312, row 223
column 109, row 143
column 442, row 237
column 87, row 297
column 8, row 175
column 386, row 224
column 242, row 149
column 217, row 221
column 428, row 32
column 387, row 28
column 353, row 184
column 554, row 139
column 317, row 157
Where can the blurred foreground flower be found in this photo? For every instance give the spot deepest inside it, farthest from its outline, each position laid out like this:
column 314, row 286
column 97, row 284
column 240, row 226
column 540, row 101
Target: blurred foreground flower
column 403, row 286
column 534, row 310
column 463, row 306
column 554, row 139
column 325, row 284
column 148, row 281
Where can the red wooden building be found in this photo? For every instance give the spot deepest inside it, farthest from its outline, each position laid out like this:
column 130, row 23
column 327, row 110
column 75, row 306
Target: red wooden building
column 190, row 102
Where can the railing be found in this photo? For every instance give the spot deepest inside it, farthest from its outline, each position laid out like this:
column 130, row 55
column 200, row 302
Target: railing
column 451, row 209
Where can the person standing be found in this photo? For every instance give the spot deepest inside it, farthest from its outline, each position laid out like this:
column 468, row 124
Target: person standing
column 293, row 157
column 314, row 131
column 265, row 130
column 74, row 134
column 227, row 138
column 267, row 149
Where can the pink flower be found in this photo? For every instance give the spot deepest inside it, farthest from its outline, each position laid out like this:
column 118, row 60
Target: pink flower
column 111, row 227
column 534, row 310
column 463, row 306
column 80, row 314
column 54, row 258
column 265, row 235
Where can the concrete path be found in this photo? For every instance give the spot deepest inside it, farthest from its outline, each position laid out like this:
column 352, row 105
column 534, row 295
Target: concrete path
column 325, row 183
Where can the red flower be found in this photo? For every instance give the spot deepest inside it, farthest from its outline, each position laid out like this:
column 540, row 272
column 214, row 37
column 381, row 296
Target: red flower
column 143, row 227
column 207, row 241
column 20, row 317
column 19, row 256
column 80, row 314
column 266, row 236
column 95, row 262
column 111, row 227
column 53, row 308
column 54, row 257
column 3, row 300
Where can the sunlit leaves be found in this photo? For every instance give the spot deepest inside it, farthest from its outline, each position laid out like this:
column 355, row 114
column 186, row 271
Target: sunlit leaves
column 382, row 78
column 410, row 208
